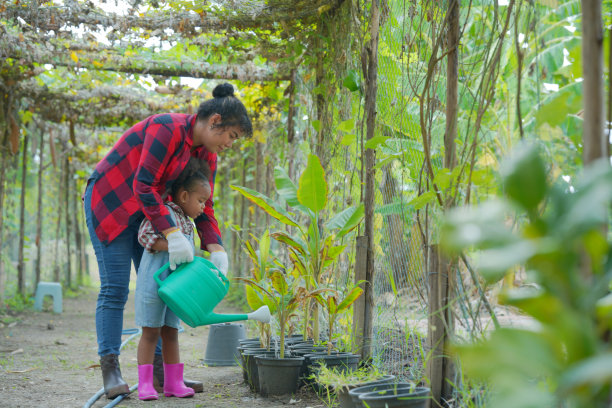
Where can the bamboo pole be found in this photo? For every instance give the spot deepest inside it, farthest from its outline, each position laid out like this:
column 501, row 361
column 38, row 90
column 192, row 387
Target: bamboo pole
column 20, row 258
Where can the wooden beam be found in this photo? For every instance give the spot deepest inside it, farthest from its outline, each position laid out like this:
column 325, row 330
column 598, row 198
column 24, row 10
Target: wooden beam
column 31, row 53
column 187, row 23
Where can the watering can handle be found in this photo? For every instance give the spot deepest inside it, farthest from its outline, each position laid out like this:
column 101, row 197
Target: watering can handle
column 223, row 278
column 159, row 271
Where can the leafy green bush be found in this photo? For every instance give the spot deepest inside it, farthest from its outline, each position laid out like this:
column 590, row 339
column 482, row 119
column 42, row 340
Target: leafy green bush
column 564, row 358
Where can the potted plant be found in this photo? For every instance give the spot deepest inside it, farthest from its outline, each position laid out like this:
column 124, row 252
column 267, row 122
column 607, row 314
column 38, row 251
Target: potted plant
column 279, row 375
column 263, row 261
column 311, row 249
column 342, row 382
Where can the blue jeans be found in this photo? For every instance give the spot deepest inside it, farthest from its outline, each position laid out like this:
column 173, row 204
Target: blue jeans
column 114, row 266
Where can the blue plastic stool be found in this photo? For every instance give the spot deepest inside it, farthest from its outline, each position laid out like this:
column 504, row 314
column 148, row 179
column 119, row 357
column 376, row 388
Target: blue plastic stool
column 54, row 289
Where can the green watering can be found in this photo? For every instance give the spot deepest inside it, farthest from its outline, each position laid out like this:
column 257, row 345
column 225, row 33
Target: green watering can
column 194, row 289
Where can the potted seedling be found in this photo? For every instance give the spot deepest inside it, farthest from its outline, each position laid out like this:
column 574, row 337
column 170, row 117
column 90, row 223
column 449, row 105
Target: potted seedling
column 341, row 382
column 312, row 249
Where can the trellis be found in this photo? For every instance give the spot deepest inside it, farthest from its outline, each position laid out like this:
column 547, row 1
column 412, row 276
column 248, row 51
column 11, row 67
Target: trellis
column 40, row 33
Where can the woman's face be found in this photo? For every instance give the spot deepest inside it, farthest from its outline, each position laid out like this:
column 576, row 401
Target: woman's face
column 213, row 137
column 193, row 202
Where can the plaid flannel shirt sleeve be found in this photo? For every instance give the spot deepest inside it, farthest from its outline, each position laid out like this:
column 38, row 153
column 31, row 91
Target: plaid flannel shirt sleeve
column 206, row 224
column 147, row 235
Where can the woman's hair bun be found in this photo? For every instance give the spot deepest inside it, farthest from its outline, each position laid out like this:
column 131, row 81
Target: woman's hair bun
column 224, row 89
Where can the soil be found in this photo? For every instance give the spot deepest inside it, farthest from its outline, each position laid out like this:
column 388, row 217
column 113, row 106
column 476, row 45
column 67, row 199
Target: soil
column 50, row 360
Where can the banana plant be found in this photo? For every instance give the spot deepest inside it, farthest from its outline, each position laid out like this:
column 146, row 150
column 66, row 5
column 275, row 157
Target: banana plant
column 283, row 293
column 334, row 304
column 263, row 261
column 312, row 249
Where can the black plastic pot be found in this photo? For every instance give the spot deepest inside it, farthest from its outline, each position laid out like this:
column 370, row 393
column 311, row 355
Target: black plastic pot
column 306, row 353
column 345, row 399
column 250, row 373
column 355, row 393
column 396, row 398
column 278, row 376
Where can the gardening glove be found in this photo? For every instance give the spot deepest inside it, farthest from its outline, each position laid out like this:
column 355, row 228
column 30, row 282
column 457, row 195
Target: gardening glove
column 179, row 248
column 219, row 259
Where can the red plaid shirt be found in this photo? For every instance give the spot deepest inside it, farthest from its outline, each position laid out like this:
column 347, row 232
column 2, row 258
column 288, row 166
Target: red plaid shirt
column 140, row 167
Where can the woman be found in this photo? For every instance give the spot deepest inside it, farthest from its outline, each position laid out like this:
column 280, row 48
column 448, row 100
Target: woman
column 128, row 185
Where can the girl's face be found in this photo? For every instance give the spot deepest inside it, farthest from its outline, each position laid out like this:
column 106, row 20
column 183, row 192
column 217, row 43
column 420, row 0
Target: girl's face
column 215, row 138
column 193, row 202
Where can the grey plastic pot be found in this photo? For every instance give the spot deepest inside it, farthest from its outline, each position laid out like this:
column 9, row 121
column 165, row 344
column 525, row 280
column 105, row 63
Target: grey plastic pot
column 345, row 399
column 278, row 376
column 222, row 345
column 396, row 398
column 355, row 393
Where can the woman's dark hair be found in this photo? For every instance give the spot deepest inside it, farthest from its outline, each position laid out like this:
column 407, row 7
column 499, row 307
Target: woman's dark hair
column 232, row 111
column 196, row 171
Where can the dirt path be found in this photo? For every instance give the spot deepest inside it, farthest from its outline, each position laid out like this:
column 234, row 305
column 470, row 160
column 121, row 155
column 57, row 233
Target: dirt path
column 49, row 360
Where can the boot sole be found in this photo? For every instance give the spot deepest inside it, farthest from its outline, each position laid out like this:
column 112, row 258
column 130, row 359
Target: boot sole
column 117, row 391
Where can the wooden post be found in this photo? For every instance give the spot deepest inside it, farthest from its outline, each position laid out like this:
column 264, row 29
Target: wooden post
column 359, row 307
column 439, row 365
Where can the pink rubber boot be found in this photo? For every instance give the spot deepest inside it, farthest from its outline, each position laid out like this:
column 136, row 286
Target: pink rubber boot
column 173, row 382
column 146, row 391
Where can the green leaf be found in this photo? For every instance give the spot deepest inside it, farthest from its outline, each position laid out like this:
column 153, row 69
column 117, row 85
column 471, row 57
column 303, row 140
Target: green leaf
column 556, row 107
column 316, row 124
column 352, row 222
column 266, row 204
column 333, row 252
column 351, row 81
column 312, row 190
column 443, row 179
column 596, row 370
column 347, row 125
column 293, row 242
column 350, row 299
column 524, row 177
column 375, row 141
column 495, row 262
column 348, row 140
column 422, row 200
column 286, row 188
column 253, row 298
column 279, row 282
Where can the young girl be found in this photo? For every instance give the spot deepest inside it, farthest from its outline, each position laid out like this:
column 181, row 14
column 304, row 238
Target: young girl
column 188, row 198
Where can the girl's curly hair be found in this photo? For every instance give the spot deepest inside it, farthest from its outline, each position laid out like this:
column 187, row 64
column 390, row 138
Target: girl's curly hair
column 196, row 171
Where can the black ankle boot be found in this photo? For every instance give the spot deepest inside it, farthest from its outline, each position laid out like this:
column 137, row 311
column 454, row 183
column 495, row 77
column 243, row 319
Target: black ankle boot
column 158, row 377
column 111, row 375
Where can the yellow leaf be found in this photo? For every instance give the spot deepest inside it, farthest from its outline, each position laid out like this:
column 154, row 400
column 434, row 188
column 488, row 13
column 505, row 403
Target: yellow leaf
column 74, row 57
column 97, row 64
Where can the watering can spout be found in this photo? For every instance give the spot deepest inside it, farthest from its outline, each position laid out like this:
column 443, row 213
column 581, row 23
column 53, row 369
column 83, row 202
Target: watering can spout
column 262, row 314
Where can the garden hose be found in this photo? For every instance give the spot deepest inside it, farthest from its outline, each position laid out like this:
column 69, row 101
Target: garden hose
column 97, row 395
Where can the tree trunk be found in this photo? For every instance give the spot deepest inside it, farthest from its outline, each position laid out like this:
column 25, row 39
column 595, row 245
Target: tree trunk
column 24, row 174
column 595, row 144
column 39, row 211
column 4, row 154
column 370, row 174
column 56, row 260
column 260, row 177
column 78, row 240
column 68, row 225
column 441, row 287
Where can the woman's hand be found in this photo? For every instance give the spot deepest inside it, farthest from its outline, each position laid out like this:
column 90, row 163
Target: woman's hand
column 220, row 260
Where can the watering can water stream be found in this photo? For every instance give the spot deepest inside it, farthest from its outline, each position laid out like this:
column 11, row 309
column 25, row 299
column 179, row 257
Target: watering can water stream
column 194, row 289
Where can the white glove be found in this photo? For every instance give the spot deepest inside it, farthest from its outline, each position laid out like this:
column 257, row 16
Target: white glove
column 219, row 259
column 179, row 248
